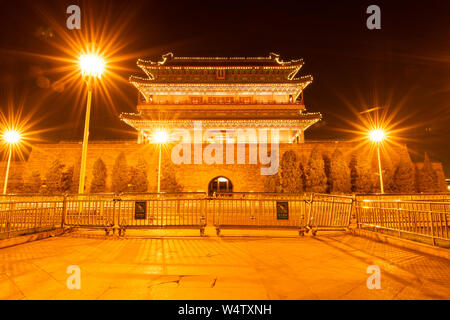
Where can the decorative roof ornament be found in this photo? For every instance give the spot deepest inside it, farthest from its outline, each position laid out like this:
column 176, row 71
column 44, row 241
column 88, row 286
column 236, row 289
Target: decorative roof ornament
column 170, row 60
column 205, row 70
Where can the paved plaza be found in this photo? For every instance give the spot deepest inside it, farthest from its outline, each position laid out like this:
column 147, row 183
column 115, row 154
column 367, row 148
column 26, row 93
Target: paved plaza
column 329, row 266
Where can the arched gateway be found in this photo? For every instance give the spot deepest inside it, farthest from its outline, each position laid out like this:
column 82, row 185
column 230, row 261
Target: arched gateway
column 232, row 98
column 220, row 185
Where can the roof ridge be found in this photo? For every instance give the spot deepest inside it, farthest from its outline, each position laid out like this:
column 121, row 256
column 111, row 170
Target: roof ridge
column 273, row 57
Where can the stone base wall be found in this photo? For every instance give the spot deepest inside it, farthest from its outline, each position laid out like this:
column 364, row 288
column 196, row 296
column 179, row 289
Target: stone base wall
column 193, row 177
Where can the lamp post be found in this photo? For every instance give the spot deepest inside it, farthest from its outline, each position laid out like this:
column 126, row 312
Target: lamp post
column 11, row 137
column 377, row 136
column 92, row 67
column 160, row 137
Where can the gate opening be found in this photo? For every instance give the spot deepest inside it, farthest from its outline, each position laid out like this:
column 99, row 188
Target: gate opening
column 220, row 185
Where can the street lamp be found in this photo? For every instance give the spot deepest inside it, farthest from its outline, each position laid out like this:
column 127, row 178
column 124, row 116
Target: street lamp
column 11, row 137
column 160, row 137
column 92, row 67
column 377, row 136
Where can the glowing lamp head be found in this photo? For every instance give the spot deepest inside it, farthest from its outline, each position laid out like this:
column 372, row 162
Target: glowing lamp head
column 160, row 137
column 377, row 135
column 11, row 137
column 92, row 65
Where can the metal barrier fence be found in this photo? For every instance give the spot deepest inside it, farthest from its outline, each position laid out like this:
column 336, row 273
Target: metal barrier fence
column 405, row 219
column 17, row 218
column 161, row 213
column 92, row 213
column 259, row 213
column 329, row 212
column 300, row 212
column 30, row 198
column 303, row 212
column 162, row 195
column 110, row 212
column 405, row 197
column 259, row 195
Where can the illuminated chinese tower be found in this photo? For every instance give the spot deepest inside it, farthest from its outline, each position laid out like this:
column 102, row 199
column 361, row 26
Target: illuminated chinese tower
column 225, row 94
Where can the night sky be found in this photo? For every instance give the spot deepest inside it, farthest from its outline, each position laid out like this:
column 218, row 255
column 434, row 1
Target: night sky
column 404, row 67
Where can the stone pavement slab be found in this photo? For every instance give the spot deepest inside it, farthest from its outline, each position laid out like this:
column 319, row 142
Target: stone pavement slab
column 329, row 266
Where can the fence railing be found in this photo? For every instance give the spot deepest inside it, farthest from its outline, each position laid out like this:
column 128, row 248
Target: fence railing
column 196, row 210
column 267, row 213
column 330, row 212
column 302, row 212
column 259, row 195
column 17, row 218
column 161, row 213
column 97, row 213
column 405, row 197
column 427, row 216
column 405, row 218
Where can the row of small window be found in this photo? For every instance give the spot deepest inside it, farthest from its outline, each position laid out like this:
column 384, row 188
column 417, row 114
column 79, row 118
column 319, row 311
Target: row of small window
column 221, row 100
column 225, row 100
column 213, row 71
column 233, row 78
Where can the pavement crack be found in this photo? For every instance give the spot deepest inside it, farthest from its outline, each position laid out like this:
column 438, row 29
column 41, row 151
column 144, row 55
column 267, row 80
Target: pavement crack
column 49, row 274
column 15, row 285
column 165, row 282
column 398, row 293
column 104, row 291
column 209, row 255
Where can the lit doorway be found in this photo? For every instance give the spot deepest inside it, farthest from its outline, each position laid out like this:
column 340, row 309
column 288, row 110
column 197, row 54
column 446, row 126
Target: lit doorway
column 220, row 185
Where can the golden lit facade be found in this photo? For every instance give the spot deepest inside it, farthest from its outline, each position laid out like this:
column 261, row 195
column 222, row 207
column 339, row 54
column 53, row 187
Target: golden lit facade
column 225, row 94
